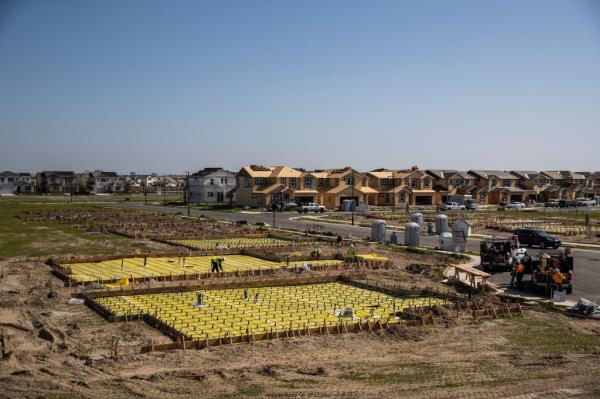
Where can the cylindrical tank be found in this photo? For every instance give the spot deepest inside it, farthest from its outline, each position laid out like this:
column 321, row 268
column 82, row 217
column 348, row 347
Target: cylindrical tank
column 378, row 231
column 412, row 234
column 417, row 218
column 441, row 224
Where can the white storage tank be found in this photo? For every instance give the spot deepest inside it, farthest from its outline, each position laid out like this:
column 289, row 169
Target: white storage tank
column 417, row 218
column 412, row 234
column 441, row 224
column 378, row 229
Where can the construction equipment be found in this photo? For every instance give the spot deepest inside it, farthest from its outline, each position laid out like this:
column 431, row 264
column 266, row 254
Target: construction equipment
column 498, row 253
column 546, row 269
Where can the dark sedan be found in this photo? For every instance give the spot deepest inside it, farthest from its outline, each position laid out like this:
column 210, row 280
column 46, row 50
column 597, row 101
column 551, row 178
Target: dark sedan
column 539, row 238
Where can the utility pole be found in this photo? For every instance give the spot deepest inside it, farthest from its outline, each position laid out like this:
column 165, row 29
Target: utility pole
column 164, row 190
column 393, row 193
column 188, row 193
column 353, row 198
column 145, row 194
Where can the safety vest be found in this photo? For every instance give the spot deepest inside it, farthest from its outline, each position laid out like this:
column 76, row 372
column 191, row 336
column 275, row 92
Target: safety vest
column 520, row 268
column 558, row 277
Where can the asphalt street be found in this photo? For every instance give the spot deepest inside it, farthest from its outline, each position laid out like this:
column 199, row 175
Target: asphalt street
column 586, row 281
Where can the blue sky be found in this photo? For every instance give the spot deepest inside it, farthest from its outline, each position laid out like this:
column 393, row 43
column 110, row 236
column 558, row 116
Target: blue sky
column 173, row 86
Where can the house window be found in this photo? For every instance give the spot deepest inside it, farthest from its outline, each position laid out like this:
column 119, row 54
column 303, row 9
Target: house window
column 349, row 181
column 212, row 182
column 261, row 181
column 283, row 181
column 292, row 182
column 413, row 182
column 307, row 182
column 402, row 196
column 505, row 183
column 406, row 181
column 426, row 182
column 482, row 197
column 1, row 179
column 223, row 181
column 211, row 194
column 247, row 182
column 321, row 182
column 493, row 182
column 364, row 182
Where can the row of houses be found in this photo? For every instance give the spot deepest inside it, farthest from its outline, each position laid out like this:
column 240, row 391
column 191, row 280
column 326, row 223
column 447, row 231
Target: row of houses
column 259, row 186
column 88, row 182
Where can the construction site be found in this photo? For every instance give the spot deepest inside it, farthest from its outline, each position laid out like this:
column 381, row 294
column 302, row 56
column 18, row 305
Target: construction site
column 165, row 306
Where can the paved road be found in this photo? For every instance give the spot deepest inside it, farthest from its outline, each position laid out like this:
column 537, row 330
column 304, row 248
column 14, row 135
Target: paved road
column 587, row 263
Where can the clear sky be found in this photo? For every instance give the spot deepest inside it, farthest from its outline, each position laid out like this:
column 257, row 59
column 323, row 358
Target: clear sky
column 175, row 85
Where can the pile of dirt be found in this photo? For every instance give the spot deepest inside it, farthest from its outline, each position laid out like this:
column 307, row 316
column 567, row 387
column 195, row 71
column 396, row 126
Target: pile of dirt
column 419, row 268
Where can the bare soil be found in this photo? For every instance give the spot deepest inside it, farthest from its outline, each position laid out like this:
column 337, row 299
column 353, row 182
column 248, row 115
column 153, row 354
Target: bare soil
column 56, row 350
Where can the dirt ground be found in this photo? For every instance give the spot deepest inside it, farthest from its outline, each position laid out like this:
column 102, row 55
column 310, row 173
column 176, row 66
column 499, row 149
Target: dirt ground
column 57, row 350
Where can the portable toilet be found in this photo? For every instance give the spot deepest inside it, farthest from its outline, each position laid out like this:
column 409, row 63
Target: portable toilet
column 412, row 234
column 441, row 224
column 378, row 231
column 417, row 218
column 447, row 242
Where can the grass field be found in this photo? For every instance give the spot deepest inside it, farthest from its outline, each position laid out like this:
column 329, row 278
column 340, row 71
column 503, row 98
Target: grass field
column 18, row 238
column 66, row 199
column 231, row 312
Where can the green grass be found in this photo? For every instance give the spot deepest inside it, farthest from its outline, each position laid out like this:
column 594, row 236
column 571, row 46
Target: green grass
column 19, row 238
column 78, row 199
column 550, row 337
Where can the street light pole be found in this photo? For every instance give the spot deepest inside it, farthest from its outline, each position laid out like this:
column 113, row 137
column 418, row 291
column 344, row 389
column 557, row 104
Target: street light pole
column 353, row 198
column 188, row 193
column 393, row 193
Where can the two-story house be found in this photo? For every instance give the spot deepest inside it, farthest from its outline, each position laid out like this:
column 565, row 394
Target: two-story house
column 334, row 186
column 56, row 182
column 8, row 182
column 212, row 186
column 497, row 187
column 260, row 186
column 534, row 181
column 564, row 184
column 387, row 183
column 451, row 182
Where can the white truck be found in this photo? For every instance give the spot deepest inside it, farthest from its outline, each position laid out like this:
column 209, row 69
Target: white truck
column 311, row 207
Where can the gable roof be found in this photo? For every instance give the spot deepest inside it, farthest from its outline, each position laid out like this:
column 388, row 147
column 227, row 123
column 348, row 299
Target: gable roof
column 485, row 174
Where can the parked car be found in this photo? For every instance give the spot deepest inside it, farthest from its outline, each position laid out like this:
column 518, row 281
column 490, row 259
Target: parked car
column 551, row 204
column 452, row 206
column 567, row 204
column 515, row 205
column 531, row 237
column 311, row 207
column 283, row 206
column 586, row 201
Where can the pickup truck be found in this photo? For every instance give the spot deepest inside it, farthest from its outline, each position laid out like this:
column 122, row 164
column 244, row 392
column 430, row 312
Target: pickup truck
column 585, row 201
column 452, row 206
column 311, row 207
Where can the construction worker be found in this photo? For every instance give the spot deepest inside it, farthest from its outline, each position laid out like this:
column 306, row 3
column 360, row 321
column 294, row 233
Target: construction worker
column 520, row 271
column 214, row 264
column 350, row 254
column 558, row 279
column 338, row 240
column 513, row 271
column 220, row 263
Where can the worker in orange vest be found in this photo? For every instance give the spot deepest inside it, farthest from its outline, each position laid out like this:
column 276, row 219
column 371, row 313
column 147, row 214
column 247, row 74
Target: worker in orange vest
column 520, row 271
column 558, row 279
